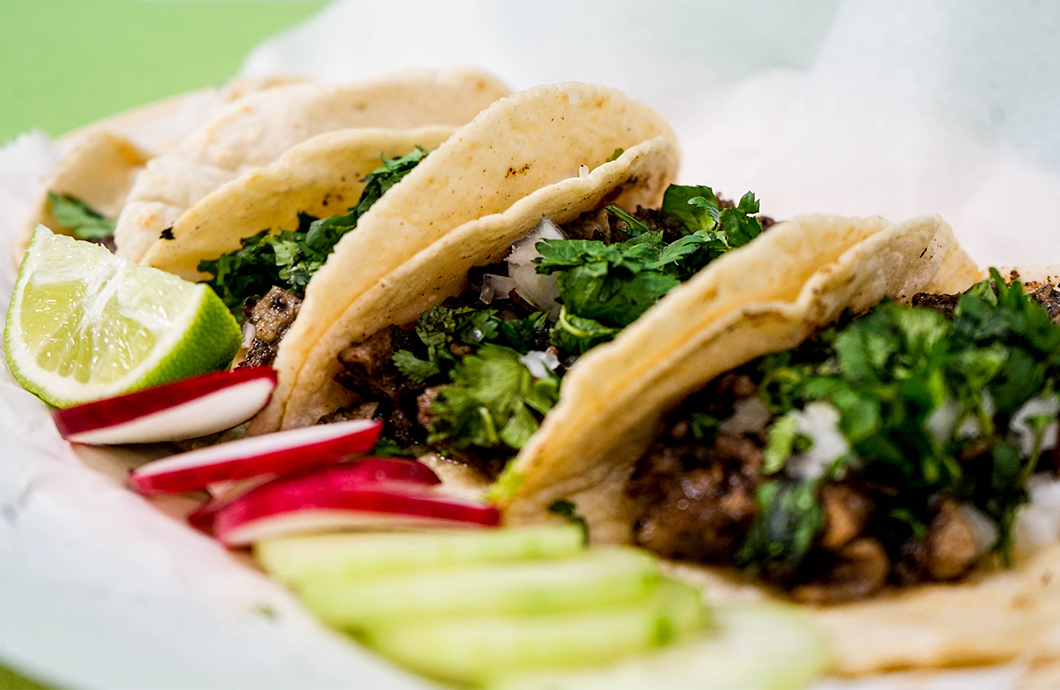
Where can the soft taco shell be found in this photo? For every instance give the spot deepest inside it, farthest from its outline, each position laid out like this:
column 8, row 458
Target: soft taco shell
column 100, row 162
column 996, row 616
column 321, row 177
column 765, row 297
column 258, row 129
column 484, row 188
column 99, row 171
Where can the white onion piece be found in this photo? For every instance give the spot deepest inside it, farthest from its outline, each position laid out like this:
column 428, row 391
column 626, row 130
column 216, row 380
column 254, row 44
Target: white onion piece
column 1038, row 521
column 985, row 529
column 537, row 289
column 540, row 364
column 819, row 421
column 495, row 287
column 1021, row 432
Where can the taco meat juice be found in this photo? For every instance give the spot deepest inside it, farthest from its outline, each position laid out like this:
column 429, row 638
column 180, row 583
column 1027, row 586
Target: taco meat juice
column 889, row 450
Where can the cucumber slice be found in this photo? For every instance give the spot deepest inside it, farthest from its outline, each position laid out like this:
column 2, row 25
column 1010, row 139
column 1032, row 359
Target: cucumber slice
column 477, row 650
column 599, row 578
column 767, row 646
column 356, row 556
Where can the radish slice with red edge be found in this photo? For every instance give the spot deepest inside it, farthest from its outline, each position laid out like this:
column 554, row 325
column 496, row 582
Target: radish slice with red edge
column 327, row 500
column 189, row 408
column 280, row 453
column 366, row 471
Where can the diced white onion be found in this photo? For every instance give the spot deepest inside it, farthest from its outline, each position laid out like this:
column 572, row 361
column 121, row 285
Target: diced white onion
column 540, row 363
column 583, row 171
column 495, row 287
column 941, row 422
column 818, row 421
column 249, row 331
column 1038, row 521
column 1023, row 435
column 986, row 530
column 537, row 289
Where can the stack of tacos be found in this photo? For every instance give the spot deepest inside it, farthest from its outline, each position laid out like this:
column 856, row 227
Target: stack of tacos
column 529, row 301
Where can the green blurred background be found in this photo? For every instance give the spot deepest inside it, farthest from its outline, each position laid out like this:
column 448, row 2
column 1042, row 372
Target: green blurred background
column 65, row 63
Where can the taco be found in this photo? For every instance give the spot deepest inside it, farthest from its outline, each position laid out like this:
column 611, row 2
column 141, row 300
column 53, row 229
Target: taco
column 469, row 382
column 870, row 466
column 97, row 165
column 256, row 130
column 557, row 150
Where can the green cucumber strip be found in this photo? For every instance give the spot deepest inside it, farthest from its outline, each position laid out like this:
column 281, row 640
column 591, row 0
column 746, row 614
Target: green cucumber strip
column 599, row 578
column 478, row 650
column 356, row 556
column 762, row 646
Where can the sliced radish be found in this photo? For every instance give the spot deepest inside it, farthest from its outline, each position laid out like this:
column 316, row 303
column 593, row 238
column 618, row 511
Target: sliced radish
column 329, row 500
column 367, row 472
column 280, row 453
column 188, row 408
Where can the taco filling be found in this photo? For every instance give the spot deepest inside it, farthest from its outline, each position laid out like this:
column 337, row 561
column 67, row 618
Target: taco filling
column 472, row 378
column 264, row 281
column 890, row 449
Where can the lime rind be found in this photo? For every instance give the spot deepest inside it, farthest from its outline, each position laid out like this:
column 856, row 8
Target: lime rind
column 83, row 324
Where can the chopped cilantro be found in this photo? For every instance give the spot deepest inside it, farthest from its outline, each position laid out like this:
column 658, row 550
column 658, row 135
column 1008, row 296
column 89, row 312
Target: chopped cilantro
column 289, row 258
column 75, row 215
column 896, row 376
column 789, row 518
column 605, row 287
column 494, row 401
column 440, row 327
column 567, row 509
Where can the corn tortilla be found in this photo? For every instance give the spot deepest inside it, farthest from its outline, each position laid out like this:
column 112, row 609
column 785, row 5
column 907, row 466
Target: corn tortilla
column 256, row 130
column 480, row 191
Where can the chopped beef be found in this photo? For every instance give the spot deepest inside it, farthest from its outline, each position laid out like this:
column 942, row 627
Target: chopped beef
column 1049, row 297
column 371, row 375
column 423, row 402
column 942, row 303
column 703, row 512
column 951, row 547
column 846, row 514
column 859, row 571
column 594, row 225
column 270, row 316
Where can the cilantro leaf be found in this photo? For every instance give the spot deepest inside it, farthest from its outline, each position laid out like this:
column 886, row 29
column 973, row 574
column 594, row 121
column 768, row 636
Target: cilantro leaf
column 578, row 335
column 611, row 285
column 289, row 258
column 926, row 403
column 83, row 221
column 494, row 401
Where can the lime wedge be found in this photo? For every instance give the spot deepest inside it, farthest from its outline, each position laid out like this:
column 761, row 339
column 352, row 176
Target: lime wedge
column 84, row 324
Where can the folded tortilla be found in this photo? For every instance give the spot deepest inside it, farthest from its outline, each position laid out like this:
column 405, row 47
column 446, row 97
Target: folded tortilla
column 258, row 129
column 322, row 177
column 100, row 163
column 764, row 298
column 464, row 206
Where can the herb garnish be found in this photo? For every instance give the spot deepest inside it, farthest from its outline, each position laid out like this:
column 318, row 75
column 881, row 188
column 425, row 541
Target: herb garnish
column 493, row 400
column 932, row 407
column 604, row 288
column 79, row 218
column 289, row 258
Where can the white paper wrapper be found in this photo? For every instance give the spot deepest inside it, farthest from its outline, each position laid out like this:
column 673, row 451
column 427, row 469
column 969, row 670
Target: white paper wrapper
column 862, row 108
